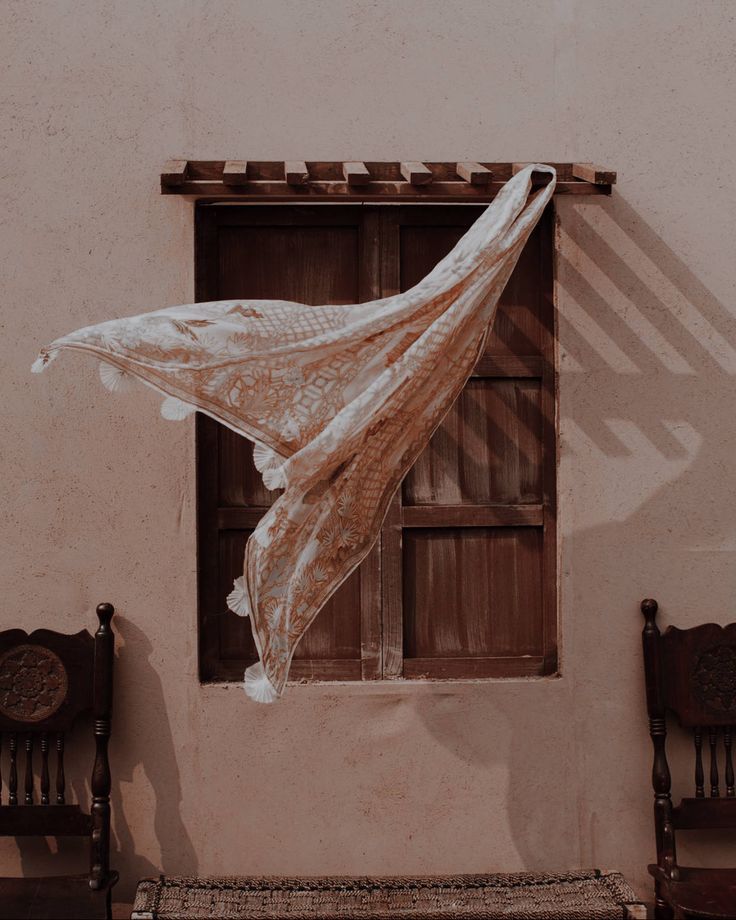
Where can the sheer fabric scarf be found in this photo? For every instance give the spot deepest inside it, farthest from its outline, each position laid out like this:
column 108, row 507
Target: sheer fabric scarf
column 339, row 401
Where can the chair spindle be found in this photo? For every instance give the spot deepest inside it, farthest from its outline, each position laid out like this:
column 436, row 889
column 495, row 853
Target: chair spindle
column 729, row 762
column 60, row 779
column 29, row 770
column 713, row 737
column 13, row 775
column 44, row 769
column 699, row 775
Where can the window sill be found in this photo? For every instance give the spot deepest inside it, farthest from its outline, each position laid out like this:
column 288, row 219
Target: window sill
column 397, row 685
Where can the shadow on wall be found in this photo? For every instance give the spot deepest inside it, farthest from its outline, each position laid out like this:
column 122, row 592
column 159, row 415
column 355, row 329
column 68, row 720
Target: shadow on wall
column 152, row 754
column 524, row 752
column 141, row 752
column 648, row 427
column 647, row 432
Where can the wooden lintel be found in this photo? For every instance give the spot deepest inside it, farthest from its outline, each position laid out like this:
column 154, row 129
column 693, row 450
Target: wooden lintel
column 174, row 172
column 474, row 173
column 451, row 192
column 416, row 173
column 589, row 172
column 358, row 181
column 356, row 173
column 235, row 172
column 296, row 172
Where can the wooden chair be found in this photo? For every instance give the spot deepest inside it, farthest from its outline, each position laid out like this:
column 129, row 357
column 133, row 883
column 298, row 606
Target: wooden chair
column 47, row 679
column 692, row 674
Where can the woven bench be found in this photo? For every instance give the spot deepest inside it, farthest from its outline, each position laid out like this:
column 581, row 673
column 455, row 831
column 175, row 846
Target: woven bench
column 588, row 895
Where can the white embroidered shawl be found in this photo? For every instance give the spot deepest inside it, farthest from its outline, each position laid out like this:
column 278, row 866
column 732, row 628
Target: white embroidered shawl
column 339, row 401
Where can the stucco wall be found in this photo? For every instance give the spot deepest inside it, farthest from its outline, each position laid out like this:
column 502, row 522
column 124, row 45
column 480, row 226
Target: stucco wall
column 98, row 491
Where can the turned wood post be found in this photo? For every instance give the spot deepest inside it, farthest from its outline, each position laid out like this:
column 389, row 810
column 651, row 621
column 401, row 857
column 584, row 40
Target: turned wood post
column 13, row 775
column 101, row 781
column 661, row 781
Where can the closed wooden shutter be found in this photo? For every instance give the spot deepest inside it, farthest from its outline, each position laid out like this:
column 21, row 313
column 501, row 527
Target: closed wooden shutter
column 469, row 576
column 312, row 255
column 462, row 581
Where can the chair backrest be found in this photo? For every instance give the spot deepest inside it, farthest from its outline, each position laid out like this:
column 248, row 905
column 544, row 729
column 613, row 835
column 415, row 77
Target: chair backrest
column 691, row 673
column 47, row 680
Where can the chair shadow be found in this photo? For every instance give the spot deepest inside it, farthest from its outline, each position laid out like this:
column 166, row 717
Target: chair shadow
column 147, row 744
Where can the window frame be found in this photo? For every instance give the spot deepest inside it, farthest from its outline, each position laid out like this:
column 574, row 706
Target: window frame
column 382, row 628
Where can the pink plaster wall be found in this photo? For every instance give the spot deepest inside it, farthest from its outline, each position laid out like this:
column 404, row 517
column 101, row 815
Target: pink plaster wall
column 98, row 491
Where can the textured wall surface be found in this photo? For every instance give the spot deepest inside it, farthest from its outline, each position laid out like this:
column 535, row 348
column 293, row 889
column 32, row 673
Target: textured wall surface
column 98, row 490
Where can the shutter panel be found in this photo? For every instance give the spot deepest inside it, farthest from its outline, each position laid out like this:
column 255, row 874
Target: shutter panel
column 469, row 560
column 311, row 255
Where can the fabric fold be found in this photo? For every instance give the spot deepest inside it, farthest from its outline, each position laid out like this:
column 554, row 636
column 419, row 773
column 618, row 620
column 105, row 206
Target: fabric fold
column 338, row 400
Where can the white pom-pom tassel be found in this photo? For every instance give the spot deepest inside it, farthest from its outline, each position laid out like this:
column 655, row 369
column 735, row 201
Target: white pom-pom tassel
column 269, row 464
column 265, row 458
column 257, row 686
column 175, row 409
column 238, row 600
column 115, row 378
column 274, row 478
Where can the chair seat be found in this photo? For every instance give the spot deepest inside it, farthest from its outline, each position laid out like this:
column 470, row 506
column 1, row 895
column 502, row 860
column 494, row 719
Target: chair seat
column 701, row 892
column 66, row 897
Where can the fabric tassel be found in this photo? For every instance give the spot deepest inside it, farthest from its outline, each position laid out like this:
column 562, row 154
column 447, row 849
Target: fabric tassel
column 269, row 463
column 265, row 458
column 257, row 686
column 115, row 379
column 237, row 600
column 42, row 361
column 274, row 478
column 175, row 409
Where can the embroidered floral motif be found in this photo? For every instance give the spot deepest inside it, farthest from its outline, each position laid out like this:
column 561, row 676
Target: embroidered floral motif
column 245, row 312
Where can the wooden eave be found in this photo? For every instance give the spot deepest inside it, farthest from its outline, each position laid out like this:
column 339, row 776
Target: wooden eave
column 356, row 181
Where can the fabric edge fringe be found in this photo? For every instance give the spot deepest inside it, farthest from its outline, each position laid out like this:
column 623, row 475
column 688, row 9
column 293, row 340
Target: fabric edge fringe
column 257, row 686
column 238, row 600
column 269, row 464
column 115, row 379
column 274, row 478
column 174, row 409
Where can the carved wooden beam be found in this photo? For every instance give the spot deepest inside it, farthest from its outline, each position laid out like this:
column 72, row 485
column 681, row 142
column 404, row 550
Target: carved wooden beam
column 173, row 173
column 589, row 172
column 474, row 173
column 296, row 172
column 235, row 172
column 356, row 173
column 416, row 173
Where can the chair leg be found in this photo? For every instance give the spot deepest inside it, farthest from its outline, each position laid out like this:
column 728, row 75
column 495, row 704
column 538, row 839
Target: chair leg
column 108, row 904
column 662, row 910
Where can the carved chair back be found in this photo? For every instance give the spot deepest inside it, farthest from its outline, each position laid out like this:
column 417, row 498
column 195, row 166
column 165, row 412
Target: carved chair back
column 691, row 674
column 47, row 680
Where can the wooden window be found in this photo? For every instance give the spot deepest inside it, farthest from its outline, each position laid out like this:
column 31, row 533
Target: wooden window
column 462, row 582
